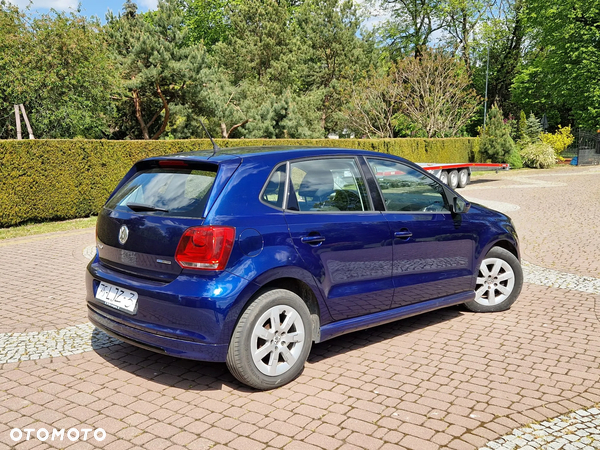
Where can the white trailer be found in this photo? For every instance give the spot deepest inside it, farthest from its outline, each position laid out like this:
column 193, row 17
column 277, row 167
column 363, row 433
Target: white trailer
column 459, row 174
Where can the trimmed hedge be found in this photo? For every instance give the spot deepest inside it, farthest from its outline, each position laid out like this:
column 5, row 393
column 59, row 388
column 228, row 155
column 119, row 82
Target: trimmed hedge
column 44, row 180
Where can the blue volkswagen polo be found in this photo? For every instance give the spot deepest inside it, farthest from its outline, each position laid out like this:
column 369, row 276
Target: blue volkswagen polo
column 249, row 255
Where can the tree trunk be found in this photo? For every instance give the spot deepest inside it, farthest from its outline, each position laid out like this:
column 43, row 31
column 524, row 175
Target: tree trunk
column 225, row 134
column 138, row 114
column 163, row 127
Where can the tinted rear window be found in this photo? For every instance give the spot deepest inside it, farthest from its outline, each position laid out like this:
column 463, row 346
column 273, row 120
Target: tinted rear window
column 169, row 192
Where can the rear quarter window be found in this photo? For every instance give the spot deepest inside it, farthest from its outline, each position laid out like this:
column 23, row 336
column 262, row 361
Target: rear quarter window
column 169, row 192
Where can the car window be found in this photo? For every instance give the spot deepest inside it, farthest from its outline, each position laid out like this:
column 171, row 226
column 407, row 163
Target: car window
column 172, row 192
column 328, row 185
column 406, row 189
column 274, row 190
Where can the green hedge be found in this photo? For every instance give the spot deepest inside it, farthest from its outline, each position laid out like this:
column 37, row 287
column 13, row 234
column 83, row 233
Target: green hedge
column 44, row 180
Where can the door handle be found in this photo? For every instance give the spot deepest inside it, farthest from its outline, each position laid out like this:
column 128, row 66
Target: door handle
column 312, row 240
column 403, row 234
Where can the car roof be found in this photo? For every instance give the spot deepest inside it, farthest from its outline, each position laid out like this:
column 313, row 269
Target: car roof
column 272, row 153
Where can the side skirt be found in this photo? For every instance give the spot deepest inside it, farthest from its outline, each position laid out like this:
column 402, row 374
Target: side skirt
column 338, row 328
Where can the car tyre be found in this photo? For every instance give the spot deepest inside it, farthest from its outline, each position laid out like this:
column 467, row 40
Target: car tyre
column 271, row 340
column 444, row 177
column 463, row 178
column 499, row 282
column 453, row 179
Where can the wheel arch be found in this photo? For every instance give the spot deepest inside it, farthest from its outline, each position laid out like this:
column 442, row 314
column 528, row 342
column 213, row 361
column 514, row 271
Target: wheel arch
column 507, row 245
column 292, row 279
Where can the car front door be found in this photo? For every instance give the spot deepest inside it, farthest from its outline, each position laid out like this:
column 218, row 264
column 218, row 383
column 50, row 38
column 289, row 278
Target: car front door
column 342, row 241
column 433, row 249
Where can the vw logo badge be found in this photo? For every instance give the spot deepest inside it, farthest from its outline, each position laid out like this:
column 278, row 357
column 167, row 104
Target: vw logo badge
column 123, row 234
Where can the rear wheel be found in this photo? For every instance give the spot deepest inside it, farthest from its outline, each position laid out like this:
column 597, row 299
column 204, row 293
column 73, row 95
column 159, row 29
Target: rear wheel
column 271, row 341
column 463, row 178
column 499, row 282
column 444, row 177
column 453, row 179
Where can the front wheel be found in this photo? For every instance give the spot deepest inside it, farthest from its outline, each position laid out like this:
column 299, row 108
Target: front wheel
column 271, row 341
column 499, row 282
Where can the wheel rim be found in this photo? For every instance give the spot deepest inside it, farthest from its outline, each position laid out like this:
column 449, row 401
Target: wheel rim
column 444, row 177
column 277, row 340
column 495, row 282
column 453, row 179
column 463, row 176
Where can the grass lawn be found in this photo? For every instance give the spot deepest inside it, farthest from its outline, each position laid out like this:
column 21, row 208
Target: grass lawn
column 47, row 227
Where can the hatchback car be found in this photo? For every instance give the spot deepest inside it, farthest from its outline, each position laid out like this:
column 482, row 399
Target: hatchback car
column 248, row 256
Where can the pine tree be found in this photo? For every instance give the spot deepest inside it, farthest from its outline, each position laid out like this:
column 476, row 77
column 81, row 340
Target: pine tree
column 532, row 131
column 496, row 143
column 160, row 74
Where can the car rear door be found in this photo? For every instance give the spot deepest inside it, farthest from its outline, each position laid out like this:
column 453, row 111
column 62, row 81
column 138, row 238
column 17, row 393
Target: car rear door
column 342, row 241
column 433, row 249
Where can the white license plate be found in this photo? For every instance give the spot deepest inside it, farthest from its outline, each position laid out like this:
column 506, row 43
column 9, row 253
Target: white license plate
column 117, row 297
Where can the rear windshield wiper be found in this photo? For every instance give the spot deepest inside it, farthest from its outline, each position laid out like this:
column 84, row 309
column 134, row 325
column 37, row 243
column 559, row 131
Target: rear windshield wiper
column 139, row 207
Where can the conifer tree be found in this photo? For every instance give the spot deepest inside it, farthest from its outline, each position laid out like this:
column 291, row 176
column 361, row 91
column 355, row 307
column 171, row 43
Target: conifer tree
column 533, row 130
column 158, row 71
column 496, row 143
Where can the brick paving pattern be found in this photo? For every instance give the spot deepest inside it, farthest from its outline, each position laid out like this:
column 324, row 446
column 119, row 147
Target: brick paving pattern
column 42, row 280
column 447, row 379
column 558, row 215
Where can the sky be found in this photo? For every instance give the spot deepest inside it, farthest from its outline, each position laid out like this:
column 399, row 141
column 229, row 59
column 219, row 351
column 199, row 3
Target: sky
column 99, row 8
column 88, row 7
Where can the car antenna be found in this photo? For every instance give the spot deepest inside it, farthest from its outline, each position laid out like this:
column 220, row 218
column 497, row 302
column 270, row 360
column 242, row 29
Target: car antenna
column 215, row 146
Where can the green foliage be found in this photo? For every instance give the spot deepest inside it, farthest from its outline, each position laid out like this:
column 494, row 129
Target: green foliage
column 57, row 65
column 514, row 159
column 496, row 143
column 158, row 71
column 60, row 179
column 538, row 155
column 261, row 47
column 522, row 124
column 563, row 77
column 208, row 21
column 333, row 55
column 533, row 130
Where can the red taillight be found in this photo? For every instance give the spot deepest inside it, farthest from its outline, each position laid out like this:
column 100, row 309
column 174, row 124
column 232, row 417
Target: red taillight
column 205, row 248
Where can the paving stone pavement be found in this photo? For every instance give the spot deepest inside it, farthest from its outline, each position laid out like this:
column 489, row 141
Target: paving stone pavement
column 447, row 379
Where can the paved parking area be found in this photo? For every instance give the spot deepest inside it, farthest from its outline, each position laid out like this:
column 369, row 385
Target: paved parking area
column 447, row 379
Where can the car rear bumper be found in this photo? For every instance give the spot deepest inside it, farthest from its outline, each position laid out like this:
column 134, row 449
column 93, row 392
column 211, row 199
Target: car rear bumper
column 157, row 343
column 191, row 317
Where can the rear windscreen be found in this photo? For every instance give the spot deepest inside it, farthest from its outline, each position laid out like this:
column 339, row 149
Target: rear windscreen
column 169, row 192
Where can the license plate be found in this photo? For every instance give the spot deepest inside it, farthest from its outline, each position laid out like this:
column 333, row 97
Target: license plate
column 116, row 297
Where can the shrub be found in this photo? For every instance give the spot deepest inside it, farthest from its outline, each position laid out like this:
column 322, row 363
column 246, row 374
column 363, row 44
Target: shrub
column 496, row 144
column 532, row 131
column 44, row 180
column 559, row 140
column 538, row 155
column 515, row 160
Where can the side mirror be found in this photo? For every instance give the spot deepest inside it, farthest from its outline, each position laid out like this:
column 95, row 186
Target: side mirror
column 460, row 205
